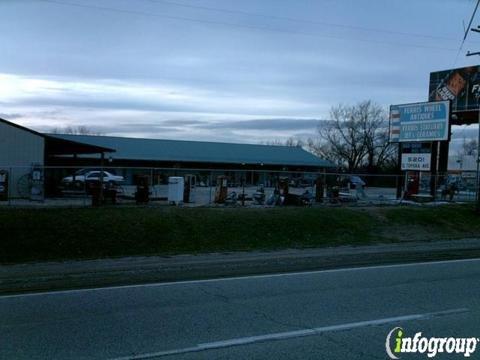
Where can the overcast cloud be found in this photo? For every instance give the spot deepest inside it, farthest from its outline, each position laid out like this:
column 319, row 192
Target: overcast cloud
column 190, row 69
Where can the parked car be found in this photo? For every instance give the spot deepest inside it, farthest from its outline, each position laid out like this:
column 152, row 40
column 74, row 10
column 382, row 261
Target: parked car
column 86, row 175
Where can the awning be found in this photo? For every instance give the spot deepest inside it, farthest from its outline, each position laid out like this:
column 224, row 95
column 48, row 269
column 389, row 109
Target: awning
column 58, row 146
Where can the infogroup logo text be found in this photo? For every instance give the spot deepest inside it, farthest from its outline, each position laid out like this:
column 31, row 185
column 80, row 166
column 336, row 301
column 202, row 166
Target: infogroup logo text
column 429, row 346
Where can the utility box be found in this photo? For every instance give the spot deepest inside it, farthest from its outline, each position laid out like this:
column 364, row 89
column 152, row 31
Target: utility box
column 175, row 189
column 3, row 185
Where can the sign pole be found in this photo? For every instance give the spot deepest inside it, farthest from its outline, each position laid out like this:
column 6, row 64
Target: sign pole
column 433, row 167
column 400, row 173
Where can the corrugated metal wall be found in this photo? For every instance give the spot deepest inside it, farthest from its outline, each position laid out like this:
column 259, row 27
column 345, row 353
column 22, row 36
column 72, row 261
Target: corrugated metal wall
column 19, row 150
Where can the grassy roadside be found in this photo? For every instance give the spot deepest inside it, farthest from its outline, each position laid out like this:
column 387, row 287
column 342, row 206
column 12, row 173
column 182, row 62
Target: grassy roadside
column 57, row 234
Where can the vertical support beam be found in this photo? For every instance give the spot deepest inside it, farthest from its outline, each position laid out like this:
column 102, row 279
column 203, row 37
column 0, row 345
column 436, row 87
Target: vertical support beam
column 324, row 195
column 443, row 155
column 74, row 171
column 102, row 164
column 399, row 171
column 434, row 169
column 243, row 188
column 478, row 164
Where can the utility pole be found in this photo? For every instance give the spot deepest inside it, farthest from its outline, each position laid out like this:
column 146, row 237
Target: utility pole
column 477, row 30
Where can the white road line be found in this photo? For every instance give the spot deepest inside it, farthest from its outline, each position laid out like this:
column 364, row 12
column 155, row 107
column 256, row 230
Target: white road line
column 246, row 277
column 289, row 334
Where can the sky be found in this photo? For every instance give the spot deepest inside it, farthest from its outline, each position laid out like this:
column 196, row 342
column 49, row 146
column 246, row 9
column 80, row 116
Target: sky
column 222, row 70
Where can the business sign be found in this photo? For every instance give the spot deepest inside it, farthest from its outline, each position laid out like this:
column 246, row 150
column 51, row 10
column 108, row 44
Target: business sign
column 426, row 121
column 418, row 162
column 460, row 86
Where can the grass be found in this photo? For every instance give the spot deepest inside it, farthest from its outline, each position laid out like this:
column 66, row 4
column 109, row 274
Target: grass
column 58, row 234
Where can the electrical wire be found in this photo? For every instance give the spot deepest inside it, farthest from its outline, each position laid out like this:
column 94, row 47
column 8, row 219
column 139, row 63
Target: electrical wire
column 467, row 31
column 251, row 27
column 306, row 21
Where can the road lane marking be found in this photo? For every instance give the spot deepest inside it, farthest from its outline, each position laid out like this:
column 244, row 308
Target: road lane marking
column 290, row 334
column 245, row 277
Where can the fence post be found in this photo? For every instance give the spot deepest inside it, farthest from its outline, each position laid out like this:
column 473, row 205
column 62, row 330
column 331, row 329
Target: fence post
column 85, row 194
column 150, row 181
column 9, row 178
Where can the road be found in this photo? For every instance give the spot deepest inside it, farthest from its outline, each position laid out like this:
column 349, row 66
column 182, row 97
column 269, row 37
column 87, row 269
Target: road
column 343, row 313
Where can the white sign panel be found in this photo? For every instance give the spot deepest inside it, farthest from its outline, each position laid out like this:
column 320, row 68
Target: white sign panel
column 418, row 162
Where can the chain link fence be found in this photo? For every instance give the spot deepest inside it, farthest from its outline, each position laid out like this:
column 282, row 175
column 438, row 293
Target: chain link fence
column 68, row 186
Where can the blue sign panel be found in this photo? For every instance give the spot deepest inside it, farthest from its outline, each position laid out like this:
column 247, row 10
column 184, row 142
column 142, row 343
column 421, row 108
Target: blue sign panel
column 420, row 122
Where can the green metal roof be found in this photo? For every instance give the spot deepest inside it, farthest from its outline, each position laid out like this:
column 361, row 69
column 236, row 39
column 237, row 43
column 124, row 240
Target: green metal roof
column 199, row 151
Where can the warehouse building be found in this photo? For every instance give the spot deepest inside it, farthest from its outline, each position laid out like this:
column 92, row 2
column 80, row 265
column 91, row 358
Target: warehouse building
column 26, row 150
column 226, row 158
column 24, row 153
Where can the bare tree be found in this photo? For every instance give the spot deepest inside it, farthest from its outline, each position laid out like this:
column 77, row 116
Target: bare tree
column 469, row 147
column 385, row 152
column 75, row 130
column 294, row 142
column 291, row 141
column 343, row 137
column 380, row 152
column 355, row 137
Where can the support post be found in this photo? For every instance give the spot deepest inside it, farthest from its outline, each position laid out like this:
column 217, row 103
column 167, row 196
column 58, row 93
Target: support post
column 478, row 165
column 399, row 169
column 434, row 169
column 102, row 164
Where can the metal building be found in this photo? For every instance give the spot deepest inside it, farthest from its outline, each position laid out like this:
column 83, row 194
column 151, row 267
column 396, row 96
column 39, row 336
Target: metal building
column 36, row 162
column 21, row 149
column 24, row 153
column 257, row 160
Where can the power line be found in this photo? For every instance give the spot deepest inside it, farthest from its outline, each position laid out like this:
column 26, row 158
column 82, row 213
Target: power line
column 237, row 25
column 313, row 22
column 470, row 23
column 466, row 34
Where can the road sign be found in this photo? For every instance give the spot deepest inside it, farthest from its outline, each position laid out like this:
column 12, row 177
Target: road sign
column 427, row 121
column 418, row 162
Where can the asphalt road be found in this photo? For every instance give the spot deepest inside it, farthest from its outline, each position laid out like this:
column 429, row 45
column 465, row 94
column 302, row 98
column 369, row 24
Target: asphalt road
column 333, row 314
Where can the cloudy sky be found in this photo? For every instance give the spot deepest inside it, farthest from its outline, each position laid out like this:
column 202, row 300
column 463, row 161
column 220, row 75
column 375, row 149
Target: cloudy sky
column 224, row 70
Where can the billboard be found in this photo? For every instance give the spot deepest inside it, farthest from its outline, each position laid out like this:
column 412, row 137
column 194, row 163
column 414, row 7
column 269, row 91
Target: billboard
column 420, row 122
column 460, row 86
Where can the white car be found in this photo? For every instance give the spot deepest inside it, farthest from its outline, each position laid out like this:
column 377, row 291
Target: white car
column 84, row 175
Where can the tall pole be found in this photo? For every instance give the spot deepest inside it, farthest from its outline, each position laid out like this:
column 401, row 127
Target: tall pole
column 477, row 30
column 478, row 165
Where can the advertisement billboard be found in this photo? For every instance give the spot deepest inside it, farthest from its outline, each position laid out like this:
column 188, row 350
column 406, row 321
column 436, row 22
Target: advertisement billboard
column 420, row 122
column 461, row 86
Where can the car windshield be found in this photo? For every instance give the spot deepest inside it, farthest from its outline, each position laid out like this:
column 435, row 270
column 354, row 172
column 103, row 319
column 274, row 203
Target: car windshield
column 356, row 179
column 83, row 171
